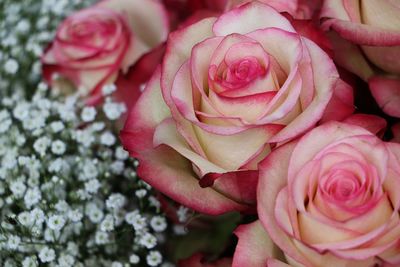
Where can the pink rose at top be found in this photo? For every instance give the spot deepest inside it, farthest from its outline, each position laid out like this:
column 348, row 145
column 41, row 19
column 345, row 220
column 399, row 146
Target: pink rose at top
column 328, row 199
column 299, row 9
column 366, row 40
column 229, row 89
column 93, row 45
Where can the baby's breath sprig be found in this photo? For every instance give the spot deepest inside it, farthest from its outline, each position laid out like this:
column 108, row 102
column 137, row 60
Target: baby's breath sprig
column 69, row 193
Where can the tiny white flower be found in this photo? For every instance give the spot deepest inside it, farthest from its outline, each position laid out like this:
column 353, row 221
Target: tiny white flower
column 25, row 218
column 130, row 217
column 121, row 153
column 17, row 188
column 108, row 89
column 101, row 238
column 32, row 196
column 182, row 213
column 30, row 262
column 95, row 215
column 107, row 224
column 92, row 186
column 113, row 110
column 23, row 26
column 56, row 165
column 154, row 202
column 116, row 264
column 47, row 255
column 57, row 126
column 51, row 235
column 107, row 139
column 158, row 223
column 61, row 205
column 41, row 144
column 115, row 201
column 13, row 242
column 98, row 126
column 138, row 222
column 88, row 114
column 117, row 167
column 136, row 163
column 140, row 193
column 75, row 215
column 56, row 222
column 11, row 66
column 154, row 258
column 134, row 259
column 37, row 216
column 148, row 240
column 58, row 147
column 66, row 260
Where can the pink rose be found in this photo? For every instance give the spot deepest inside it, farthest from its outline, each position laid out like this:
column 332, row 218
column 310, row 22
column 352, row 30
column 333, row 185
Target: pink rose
column 94, row 44
column 229, row 90
column 299, row 9
column 367, row 42
column 331, row 199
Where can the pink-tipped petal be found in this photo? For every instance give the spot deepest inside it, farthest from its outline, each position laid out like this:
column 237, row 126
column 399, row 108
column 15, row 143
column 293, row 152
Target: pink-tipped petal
column 250, row 17
column 254, row 247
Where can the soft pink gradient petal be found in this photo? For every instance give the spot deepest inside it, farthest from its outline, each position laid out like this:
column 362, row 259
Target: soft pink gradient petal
column 386, row 92
column 325, row 80
column 152, row 32
column 250, row 17
column 254, row 247
column 372, row 123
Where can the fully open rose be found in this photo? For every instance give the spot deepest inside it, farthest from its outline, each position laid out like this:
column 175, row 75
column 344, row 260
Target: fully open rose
column 367, row 42
column 329, row 199
column 229, row 88
column 94, row 44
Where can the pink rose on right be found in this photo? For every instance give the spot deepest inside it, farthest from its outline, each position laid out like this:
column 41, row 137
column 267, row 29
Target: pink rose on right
column 330, row 198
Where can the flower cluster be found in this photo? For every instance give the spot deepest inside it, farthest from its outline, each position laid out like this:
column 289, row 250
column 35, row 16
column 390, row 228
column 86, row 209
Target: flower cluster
column 69, row 194
column 25, row 29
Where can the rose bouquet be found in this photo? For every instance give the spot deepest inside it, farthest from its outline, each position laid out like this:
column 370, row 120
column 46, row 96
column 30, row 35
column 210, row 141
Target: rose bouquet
column 260, row 133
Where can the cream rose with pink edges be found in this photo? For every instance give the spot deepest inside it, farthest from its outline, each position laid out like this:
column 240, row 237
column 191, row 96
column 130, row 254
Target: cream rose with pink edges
column 366, row 41
column 330, row 199
column 94, row 44
column 229, row 88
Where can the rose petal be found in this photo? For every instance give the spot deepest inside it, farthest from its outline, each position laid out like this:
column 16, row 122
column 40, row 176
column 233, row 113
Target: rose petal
column 386, row 92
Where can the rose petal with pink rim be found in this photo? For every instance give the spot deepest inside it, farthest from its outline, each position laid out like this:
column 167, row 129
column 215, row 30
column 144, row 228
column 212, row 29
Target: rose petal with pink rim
column 254, row 247
column 249, row 17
